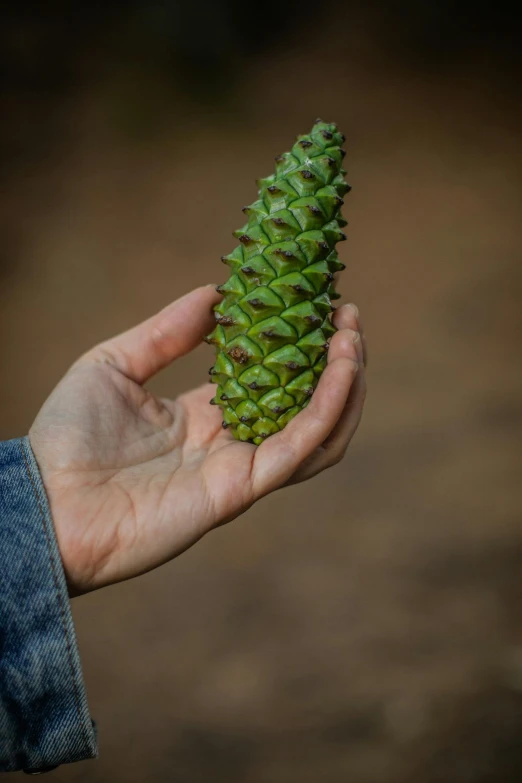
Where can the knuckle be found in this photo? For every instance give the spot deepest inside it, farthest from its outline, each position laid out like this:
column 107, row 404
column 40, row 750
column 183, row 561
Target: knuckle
column 99, row 354
column 157, row 335
column 334, row 454
column 104, row 356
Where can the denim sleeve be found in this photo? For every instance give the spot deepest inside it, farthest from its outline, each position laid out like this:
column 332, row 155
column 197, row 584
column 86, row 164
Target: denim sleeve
column 44, row 717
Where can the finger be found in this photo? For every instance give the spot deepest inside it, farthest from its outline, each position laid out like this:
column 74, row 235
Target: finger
column 280, row 456
column 337, row 442
column 203, row 421
column 347, row 317
column 364, row 344
column 345, row 342
column 146, row 349
column 335, row 445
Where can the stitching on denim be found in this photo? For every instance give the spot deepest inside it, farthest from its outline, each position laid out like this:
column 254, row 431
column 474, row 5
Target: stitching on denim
column 58, row 595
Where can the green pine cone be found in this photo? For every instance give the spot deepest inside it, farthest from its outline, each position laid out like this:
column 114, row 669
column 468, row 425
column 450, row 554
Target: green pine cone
column 273, row 324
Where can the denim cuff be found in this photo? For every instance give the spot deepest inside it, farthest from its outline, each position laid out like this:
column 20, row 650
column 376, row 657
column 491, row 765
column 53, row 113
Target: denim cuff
column 44, row 716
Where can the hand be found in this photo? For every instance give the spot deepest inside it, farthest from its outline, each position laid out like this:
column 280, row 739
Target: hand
column 134, row 480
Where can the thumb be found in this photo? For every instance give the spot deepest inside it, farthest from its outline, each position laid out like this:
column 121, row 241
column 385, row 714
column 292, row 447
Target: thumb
column 146, row 349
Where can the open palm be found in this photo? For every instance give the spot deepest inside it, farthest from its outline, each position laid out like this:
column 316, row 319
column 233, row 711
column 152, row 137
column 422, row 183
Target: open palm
column 134, row 480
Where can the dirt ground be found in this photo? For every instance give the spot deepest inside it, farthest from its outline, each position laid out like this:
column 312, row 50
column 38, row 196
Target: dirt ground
column 365, row 627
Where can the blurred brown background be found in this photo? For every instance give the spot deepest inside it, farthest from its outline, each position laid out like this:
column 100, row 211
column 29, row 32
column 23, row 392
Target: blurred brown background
column 365, row 627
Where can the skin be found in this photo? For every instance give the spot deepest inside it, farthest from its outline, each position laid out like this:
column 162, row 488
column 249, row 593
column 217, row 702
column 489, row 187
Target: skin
column 134, row 480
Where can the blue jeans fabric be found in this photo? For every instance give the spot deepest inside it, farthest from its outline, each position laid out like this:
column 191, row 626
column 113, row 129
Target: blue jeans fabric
column 44, row 717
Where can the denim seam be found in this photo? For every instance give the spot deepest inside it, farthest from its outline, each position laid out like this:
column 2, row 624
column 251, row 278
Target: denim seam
column 58, row 595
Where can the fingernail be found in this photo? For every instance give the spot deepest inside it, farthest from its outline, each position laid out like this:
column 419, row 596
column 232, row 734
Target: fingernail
column 356, row 337
column 355, row 309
